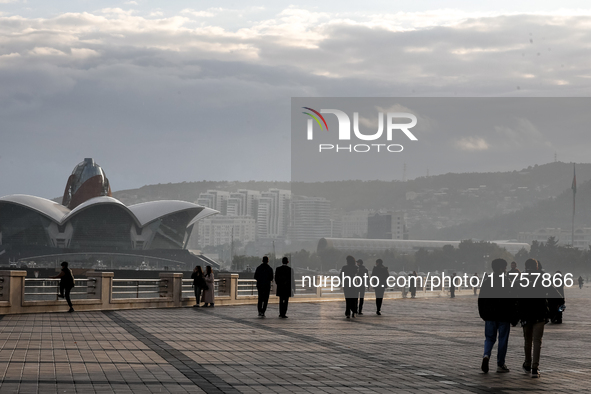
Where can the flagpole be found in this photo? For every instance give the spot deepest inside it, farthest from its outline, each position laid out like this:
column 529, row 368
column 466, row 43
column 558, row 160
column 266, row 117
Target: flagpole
column 574, row 187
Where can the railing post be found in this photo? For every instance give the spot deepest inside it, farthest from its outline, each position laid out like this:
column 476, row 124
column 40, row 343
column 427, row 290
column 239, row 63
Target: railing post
column 174, row 289
column 319, row 288
column 103, row 287
column 13, row 290
column 231, row 284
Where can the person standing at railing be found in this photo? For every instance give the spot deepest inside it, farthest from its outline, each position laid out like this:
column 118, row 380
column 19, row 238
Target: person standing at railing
column 264, row 277
column 381, row 272
column 208, row 291
column 285, row 281
column 66, row 284
column 198, row 284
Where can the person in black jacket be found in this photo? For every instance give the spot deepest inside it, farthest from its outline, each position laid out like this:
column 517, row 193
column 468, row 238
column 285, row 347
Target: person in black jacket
column 362, row 273
column 452, row 287
column 264, row 277
column 382, row 274
column 66, row 284
column 412, row 284
column 285, row 281
column 532, row 304
column 348, row 273
column 557, row 301
column 198, row 284
column 498, row 310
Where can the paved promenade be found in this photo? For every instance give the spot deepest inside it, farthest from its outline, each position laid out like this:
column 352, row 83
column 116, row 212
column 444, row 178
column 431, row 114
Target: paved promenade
column 424, row 345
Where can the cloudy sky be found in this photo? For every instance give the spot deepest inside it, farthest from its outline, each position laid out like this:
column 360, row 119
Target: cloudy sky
column 160, row 92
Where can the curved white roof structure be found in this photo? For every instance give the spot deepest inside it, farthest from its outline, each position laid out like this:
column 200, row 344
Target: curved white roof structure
column 50, row 209
column 147, row 212
column 102, row 200
column 141, row 214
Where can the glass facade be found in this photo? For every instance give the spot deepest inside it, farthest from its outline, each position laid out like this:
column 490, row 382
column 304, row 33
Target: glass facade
column 22, row 227
column 102, row 227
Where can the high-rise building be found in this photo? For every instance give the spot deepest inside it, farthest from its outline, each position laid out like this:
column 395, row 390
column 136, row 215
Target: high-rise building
column 233, row 206
column 214, row 199
column 264, row 214
column 279, row 211
column 221, row 230
column 250, row 201
column 390, row 225
column 311, row 219
column 354, row 224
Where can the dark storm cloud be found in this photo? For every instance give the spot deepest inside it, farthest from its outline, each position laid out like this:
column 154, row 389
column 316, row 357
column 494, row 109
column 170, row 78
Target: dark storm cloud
column 172, row 99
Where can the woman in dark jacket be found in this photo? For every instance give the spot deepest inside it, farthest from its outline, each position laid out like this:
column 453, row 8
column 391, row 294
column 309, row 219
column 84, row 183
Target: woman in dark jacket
column 198, row 284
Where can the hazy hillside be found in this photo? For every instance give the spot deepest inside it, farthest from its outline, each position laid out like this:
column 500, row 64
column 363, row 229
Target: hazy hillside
column 553, row 212
column 533, row 183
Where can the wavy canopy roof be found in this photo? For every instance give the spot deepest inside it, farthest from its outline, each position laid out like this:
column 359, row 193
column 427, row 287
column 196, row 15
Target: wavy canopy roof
column 142, row 213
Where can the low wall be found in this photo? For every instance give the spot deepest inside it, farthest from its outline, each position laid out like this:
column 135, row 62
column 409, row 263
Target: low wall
column 99, row 294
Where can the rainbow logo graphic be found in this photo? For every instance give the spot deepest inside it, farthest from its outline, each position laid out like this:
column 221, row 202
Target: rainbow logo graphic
column 316, row 118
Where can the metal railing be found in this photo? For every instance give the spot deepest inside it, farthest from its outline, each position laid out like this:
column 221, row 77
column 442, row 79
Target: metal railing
column 48, row 289
column 189, row 291
column 139, row 288
column 248, row 287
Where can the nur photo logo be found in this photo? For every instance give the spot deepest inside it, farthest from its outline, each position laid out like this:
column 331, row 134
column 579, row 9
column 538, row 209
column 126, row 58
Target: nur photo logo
column 344, row 130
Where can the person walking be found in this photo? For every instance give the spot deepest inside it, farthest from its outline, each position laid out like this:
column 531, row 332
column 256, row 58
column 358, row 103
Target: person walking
column 475, row 288
column 209, row 290
column 412, row 284
column 498, row 310
column 348, row 273
column 198, row 284
column 452, row 287
column 285, row 281
column 513, row 270
column 66, row 284
column 264, row 278
column 362, row 273
column 381, row 272
column 581, row 281
column 532, row 305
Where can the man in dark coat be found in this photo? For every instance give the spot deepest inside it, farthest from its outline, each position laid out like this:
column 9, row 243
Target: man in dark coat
column 285, row 281
column 362, row 273
column 348, row 273
column 382, row 274
column 498, row 310
column 264, row 277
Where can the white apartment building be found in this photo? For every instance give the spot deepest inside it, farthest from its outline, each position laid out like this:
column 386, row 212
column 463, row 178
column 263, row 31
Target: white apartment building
column 354, row 224
column 311, row 219
column 219, row 230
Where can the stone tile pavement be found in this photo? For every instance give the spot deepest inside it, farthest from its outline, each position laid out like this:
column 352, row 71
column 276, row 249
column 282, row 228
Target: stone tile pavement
column 430, row 345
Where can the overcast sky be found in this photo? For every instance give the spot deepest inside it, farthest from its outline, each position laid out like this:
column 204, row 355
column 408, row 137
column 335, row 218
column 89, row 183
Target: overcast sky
column 160, row 92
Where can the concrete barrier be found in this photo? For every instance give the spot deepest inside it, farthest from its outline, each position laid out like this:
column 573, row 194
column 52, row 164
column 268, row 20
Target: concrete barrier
column 99, row 294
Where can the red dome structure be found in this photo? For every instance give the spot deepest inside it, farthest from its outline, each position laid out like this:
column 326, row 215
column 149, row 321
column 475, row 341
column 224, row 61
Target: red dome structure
column 88, row 180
